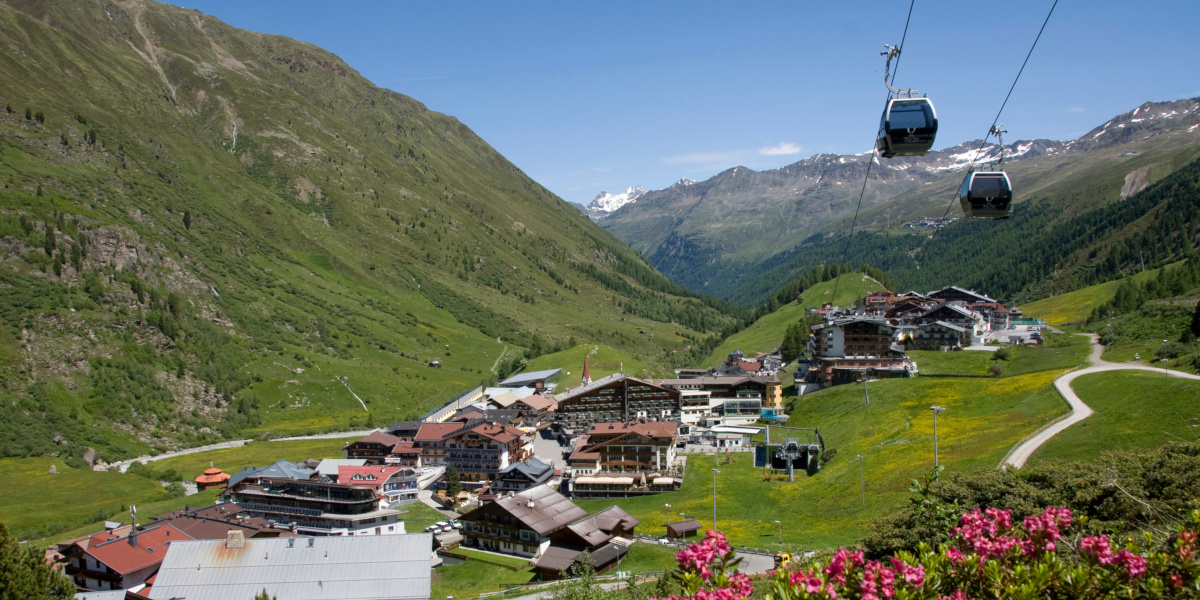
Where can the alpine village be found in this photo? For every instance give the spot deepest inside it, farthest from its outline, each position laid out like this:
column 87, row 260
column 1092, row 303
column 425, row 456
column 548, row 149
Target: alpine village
column 273, row 331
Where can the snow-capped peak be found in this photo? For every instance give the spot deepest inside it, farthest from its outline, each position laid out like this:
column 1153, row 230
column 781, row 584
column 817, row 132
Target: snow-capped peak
column 606, row 202
column 685, row 182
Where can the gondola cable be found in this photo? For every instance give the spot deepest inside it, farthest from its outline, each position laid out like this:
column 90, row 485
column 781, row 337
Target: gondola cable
column 837, row 280
column 993, row 128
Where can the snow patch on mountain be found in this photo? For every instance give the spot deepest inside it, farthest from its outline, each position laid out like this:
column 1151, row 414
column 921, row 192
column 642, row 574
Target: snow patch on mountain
column 606, row 203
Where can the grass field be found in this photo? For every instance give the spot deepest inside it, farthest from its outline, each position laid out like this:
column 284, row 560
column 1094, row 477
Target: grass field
column 34, row 503
column 232, row 460
column 512, row 562
column 1059, row 351
column 983, row 420
column 932, row 362
column 1134, row 409
column 645, row 557
column 765, row 334
column 471, row 578
column 417, row 516
column 474, row 577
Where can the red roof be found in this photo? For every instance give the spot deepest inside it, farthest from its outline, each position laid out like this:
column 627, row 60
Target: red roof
column 213, row 475
column 435, row 432
column 370, row 476
column 749, row 366
column 648, row 429
column 405, row 448
column 379, row 437
column 119, row 555
column 500, row 433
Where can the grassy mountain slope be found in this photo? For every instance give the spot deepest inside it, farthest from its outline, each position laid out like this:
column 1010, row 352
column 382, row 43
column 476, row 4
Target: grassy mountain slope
column 206, row 231
column 765, row 334
column 1074, row 307
column 1052, row 244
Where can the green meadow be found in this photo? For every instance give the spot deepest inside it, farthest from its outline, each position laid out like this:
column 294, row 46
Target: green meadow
column 1134, row 410
column 1073, row 308
column 34, row 503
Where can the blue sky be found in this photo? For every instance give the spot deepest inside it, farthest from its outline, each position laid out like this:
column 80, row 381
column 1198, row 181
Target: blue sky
column 595, row 96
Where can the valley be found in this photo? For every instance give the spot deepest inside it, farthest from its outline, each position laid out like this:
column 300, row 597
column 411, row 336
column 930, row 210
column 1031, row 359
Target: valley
column 213, row 236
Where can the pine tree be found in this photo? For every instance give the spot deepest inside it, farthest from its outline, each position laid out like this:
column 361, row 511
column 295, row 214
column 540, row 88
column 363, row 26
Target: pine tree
column 453, row 481
column 50, row 241
column 25, row 574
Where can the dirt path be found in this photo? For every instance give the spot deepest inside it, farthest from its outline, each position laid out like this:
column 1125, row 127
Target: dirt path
column 1079, row 411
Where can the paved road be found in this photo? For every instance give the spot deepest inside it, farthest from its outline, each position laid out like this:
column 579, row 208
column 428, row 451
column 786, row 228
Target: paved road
column 1079, row 411
column 123, row 465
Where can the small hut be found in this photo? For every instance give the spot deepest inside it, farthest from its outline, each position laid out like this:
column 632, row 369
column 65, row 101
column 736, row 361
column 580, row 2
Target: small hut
column 212, row 478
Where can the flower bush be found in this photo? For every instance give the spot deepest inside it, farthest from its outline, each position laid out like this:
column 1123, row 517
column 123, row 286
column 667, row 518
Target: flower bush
column 988, row 556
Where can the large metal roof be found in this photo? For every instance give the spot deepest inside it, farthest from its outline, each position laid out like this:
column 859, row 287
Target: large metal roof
column 381, row 567
column 521, row 378
column 539, row 508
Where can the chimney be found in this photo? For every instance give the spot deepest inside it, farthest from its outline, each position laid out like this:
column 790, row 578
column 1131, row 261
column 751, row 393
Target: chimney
column 234, row 540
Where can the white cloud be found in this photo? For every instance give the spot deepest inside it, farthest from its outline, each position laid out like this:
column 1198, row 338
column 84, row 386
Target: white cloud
column 696, row 158
column 1076, row 109
column 782, row 149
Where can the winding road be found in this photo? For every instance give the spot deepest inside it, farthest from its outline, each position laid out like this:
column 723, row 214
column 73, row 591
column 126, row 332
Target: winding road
column 1079, row 411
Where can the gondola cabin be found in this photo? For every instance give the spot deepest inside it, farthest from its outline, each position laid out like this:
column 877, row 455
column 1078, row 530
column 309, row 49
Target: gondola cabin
column 907, row 128
column 986, row 194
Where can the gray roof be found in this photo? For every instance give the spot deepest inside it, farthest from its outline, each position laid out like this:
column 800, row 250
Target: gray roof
column 322, row 568
column 109, row 595
column 540, row 508
column 533, row 467
column 687, row 526
column 281, row 468
column 951, row 326
column 329, row 466
column 954, row 307
column 599, row 527
column 560, row 558
column 520, row 379
column 985, row 297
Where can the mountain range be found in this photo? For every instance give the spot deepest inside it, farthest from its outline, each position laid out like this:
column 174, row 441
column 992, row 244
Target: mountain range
column 206, row 232
column 720, row 234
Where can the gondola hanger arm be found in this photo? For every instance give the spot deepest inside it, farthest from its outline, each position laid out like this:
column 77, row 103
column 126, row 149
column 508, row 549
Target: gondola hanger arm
column 891, row 52
column 999, row 133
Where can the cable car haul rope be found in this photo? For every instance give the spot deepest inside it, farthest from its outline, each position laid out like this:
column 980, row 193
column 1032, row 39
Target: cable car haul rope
column 909, row 126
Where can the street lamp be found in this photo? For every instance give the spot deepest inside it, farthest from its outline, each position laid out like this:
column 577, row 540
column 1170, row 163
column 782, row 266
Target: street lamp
column 936, row 410
column 715, row 471
column 862, row 480
column 1165, row 361
column 780, row 535
column 667, row 511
